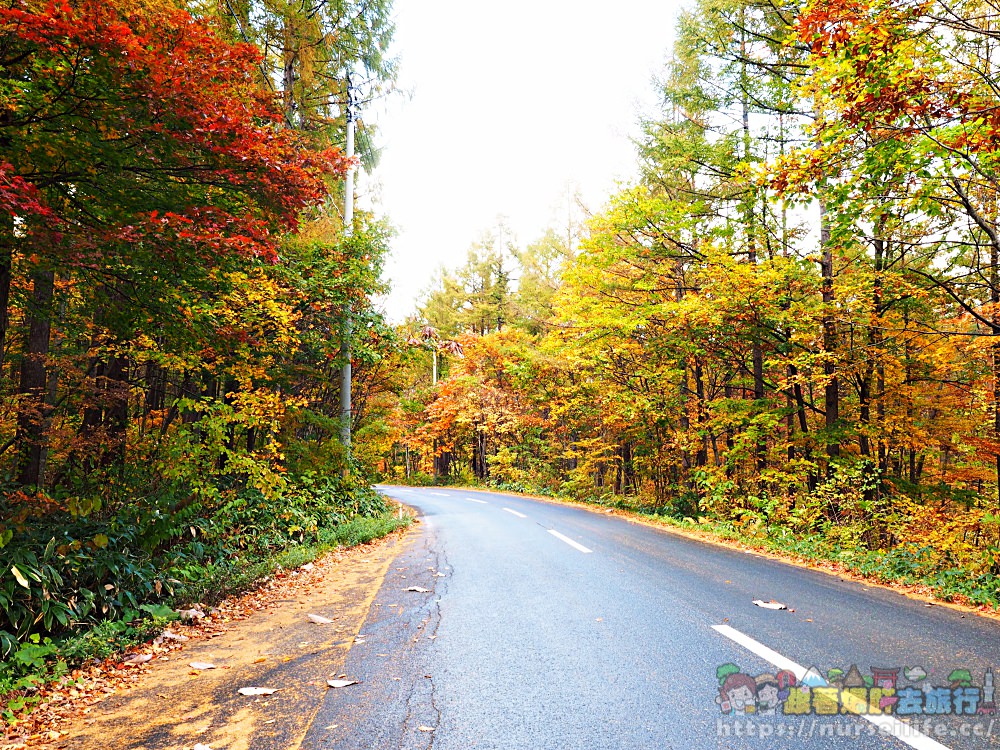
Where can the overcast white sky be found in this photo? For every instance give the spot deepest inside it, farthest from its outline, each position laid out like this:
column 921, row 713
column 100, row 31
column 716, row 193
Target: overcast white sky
column 512, row 102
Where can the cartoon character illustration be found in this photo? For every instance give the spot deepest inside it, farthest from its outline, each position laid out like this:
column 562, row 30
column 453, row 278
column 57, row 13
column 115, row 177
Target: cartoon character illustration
column 738, row 694
column 786, row 681
column 767, row 694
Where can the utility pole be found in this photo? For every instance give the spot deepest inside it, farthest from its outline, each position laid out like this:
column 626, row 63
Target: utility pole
column 345, row 372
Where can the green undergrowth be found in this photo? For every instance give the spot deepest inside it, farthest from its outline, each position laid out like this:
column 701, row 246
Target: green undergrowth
column 223, row 578
column 89, row 586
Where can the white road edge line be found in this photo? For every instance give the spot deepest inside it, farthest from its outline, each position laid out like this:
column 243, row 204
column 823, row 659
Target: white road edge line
column 519, row 515
column 473, row 500
column 570, row 542
column 906, row 733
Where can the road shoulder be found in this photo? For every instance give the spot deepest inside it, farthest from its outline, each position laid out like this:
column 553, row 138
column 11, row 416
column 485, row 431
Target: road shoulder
column 175, row 705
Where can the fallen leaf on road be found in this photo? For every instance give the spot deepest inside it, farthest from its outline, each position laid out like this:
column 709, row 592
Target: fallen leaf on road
column 439, row 575
column 257, row 691
column 201, row 665
column 169, row 636
column 260, row 660
column 341, row 683
column 138, row 659
column 200, row 746
column 422, row 728
column 418, row 589
column 307, row 566
column 190, row 614
column 319, row 619
column 772, row 604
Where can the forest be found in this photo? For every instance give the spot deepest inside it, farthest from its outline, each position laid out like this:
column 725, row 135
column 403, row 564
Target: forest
column 787, row 329
column 175, row 274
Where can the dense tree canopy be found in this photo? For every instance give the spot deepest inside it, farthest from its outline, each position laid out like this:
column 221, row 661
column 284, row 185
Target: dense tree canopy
column 173, row 275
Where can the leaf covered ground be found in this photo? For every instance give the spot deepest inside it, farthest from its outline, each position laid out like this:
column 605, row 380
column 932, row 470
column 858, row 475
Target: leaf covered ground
column 264, row 638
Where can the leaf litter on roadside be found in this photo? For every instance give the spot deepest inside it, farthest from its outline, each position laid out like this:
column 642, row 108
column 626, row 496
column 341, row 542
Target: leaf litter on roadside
column 58, row 704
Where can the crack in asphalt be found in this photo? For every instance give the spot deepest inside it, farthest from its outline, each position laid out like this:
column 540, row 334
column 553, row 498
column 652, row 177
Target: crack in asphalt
column 436, row 617
column 427, row 615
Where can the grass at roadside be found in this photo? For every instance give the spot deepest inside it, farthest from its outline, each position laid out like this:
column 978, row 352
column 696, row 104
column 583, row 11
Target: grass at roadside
column 228, row 577
column 41, row 661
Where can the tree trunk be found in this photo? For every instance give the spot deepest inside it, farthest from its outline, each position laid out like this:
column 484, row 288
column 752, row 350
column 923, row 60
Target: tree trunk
column 832, row 388
column 34, row 412
column 6, row 264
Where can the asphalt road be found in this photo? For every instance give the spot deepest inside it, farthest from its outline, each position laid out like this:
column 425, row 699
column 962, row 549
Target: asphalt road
column 547, row 626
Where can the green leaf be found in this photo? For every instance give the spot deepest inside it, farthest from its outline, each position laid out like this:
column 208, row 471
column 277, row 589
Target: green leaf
column 161, row 611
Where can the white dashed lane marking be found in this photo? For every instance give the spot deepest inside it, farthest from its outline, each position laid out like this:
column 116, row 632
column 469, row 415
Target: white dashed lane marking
column 571, row 542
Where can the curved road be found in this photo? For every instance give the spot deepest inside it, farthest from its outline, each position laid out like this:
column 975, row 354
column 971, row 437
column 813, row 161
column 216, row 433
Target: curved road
column 549, row 626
